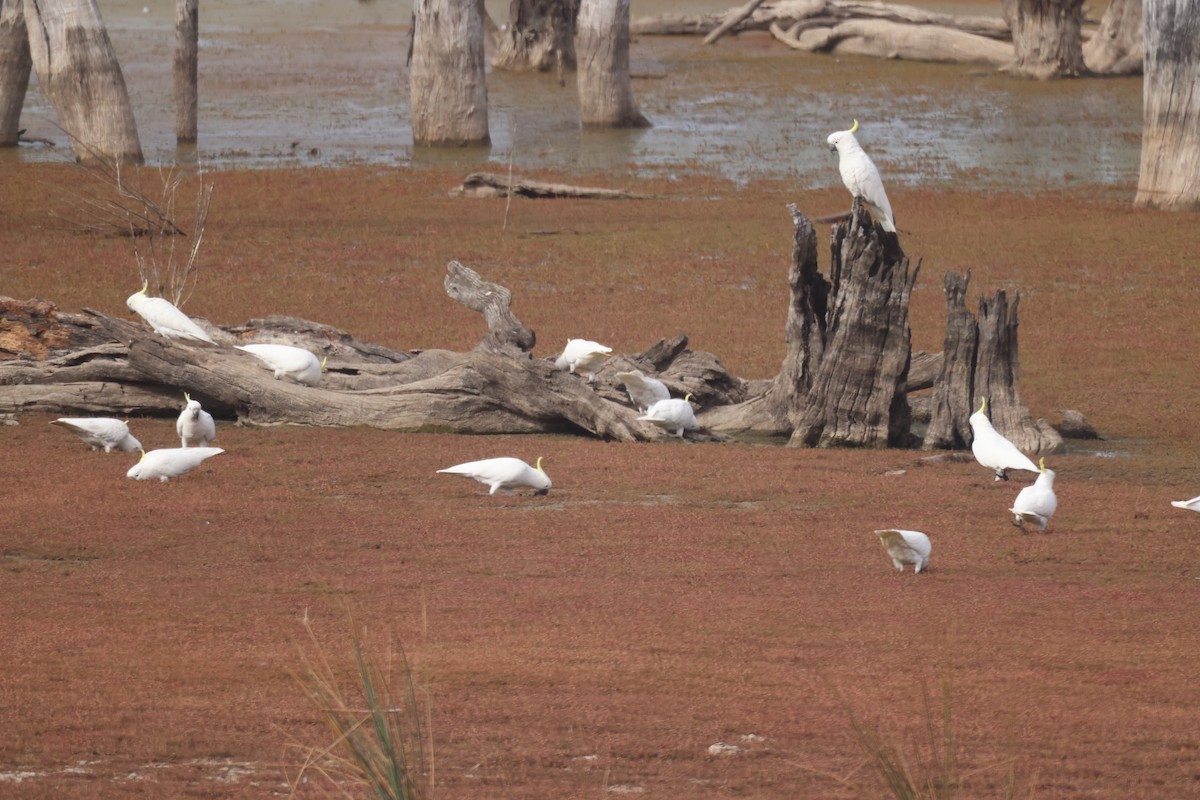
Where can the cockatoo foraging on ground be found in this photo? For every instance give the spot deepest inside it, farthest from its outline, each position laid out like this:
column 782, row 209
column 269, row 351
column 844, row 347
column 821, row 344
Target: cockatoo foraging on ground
column 291, row 362
column 994, row 451
column 195, row 425
column 165, row 318
column 504, row 473
column 906, row 547
column 672, row 415
column 1190, row 505
column 101, row 432
column 583, row 356
column 643, row 391
column 861, row 177
column 1036, row 503
column 170, row 462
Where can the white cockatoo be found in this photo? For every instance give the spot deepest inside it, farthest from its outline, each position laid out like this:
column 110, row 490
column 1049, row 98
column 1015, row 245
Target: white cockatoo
column 861, row 177
column 584, row 356
column 288, row 362
column 994, row 451
column 165, row 318
column 672, row 415
column 1036, row 503
column 644, row 391
column 101, row 432
column 170, row 462
column 906, row 547
column 1190, row 505
column 195, row 425
column 504, row 473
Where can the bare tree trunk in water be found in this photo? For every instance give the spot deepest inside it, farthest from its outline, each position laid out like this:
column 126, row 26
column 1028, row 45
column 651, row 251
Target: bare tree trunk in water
column 1116, row 47
column 15, row 64
column 78, row 71
column 1047, row 37
column 540, row 36
column 1170, row 170
column 187, row 44
column 447, row 85
column 605, row 88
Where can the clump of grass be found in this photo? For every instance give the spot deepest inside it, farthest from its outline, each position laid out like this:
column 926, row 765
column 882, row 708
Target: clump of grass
column 378, row 744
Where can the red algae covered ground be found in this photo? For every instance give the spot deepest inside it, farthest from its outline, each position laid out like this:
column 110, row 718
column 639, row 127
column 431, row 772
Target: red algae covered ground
column 663, row 598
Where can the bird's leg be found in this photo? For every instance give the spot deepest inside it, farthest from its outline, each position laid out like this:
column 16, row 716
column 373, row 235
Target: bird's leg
column 1001, row 475
column 898, row 564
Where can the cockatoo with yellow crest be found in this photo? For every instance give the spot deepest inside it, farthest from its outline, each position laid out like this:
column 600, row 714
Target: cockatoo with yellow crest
column 992, row 450
column 170, row 462
column 504, row 474
column 165, row 318
column 195, row 426
column 672, row 415
column 582, row 355
column 1036, row 504
column 861, row 176
column 288, row 361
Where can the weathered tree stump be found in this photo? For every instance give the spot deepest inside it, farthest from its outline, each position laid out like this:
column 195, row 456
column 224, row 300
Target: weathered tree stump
column 540, row 35
column 981, row 361
column 857, row 396
column 506, row 335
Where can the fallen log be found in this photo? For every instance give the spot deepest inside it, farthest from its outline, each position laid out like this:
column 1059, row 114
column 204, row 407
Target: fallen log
column 788, row 13
column 880, row 38
column 487, row 184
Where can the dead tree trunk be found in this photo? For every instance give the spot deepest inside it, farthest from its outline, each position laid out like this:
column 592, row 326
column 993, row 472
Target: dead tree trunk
column 1116, row 47
column 605, row 87
column 954, row 392
column 78, row 71
column 540, row 36
column 187, row 43
column 15, row 65
column 1047, row 37
column 858, row 392
column 447, row 84
column 1170, row 170
column 506, row 335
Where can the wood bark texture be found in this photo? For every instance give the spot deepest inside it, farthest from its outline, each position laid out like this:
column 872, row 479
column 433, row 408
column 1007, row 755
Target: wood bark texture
column 540, row 36
column 487, row 184
column 997, row 369
column 447, row 82
column 77, row 70
column 186, row 70
column 881, row 38
column 857, row 396
column 821, row 13
column 1116, row 46
column 954, row 392
column 1169, row 177
column 605, row 88
column 15, row 66
column 1047, row 36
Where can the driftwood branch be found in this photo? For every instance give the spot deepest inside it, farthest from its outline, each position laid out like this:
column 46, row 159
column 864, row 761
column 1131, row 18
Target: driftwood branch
column 487, row 184
column 733, row 19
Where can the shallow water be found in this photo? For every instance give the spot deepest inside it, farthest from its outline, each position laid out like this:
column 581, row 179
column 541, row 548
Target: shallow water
column 324, row 84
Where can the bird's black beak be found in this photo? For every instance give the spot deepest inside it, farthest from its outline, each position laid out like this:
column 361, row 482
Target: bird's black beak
column 542, row 492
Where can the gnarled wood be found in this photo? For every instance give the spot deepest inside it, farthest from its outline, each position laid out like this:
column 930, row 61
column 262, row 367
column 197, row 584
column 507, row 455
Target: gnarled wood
column 1047, row 37
column 540, row 35
column 857, row 396
column 487, row 184
column 880, row 38
column 1116, row 46
column 954, row 391
column 506, row 334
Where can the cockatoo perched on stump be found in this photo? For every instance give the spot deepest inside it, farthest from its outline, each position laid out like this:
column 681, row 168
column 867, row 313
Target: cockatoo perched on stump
column 861, row 177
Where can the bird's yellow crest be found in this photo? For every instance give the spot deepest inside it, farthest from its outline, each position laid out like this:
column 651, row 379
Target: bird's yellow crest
column 539, row 466
column 982, row 404
column 687, row 397
column 143, row 458
column 323, row 360
column 187, row 398
column 145, row 286
column 1042, row 464
column 854, row 127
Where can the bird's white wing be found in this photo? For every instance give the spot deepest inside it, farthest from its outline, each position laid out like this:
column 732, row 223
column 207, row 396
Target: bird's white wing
column 644, row 391
column 105, row 432
column 171, row 462
column 862, row 179
column 1190, row 505
column 168, row 320
column 906, row 545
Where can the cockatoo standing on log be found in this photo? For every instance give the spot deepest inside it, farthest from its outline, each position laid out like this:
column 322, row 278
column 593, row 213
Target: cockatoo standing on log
column 165, row 318
column 861, row 177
